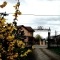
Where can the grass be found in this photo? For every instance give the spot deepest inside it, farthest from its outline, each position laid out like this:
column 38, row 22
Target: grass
column 55, row 50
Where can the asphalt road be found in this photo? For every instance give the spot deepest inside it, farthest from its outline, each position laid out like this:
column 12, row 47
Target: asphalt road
column 39, row 46
column 45, row 54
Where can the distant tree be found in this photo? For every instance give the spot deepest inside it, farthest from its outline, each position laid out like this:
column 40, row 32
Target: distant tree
column 38, row 38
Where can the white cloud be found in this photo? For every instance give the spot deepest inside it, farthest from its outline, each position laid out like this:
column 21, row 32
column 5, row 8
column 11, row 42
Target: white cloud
column 37, row 7
column 42, row 7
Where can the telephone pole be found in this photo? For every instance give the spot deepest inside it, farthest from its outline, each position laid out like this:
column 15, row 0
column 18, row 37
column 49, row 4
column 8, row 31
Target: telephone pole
column 49, row 38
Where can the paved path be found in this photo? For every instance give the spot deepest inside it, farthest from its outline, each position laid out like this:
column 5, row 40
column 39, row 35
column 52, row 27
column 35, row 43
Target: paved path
column 40, row 46
column 44, row 54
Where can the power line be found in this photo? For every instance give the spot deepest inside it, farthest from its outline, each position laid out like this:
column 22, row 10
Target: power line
column 40, row 15
column 34, row 14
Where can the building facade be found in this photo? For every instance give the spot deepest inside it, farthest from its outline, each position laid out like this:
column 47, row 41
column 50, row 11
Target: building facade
column 28, row 34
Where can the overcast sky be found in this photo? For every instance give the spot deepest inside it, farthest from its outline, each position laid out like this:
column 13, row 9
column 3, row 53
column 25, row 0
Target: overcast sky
column 36, row 7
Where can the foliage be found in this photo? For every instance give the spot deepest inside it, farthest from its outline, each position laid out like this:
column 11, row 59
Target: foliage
column 38, row 38
column 3, row 4
column 11, row 48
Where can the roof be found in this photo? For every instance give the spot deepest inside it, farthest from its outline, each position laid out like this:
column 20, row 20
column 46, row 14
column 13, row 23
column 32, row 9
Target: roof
column 26, row 27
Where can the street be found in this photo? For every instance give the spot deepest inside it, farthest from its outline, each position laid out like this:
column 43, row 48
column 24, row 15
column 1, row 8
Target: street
column 39, row 46
column 45, row 54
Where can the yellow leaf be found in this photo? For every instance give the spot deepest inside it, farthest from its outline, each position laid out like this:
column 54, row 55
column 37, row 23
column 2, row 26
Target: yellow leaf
column 4, row 4
column 1, row 36
column 10, row 38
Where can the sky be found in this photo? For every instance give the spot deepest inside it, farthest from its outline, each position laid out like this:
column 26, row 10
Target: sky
column 36, row 13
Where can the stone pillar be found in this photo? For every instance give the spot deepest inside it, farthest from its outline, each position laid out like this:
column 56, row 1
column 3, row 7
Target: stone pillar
column 40, row 42
column 43, row 42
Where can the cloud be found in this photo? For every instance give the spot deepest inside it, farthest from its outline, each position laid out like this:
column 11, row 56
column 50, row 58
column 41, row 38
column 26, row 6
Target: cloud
column 36, row 7
column 14, row 1
column 11, row 1
column 46, row 20
column 43, row 7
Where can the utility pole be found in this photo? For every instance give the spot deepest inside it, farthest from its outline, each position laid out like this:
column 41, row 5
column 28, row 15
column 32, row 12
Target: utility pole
column 55, row 33
column 49, row 38
column 55, row 37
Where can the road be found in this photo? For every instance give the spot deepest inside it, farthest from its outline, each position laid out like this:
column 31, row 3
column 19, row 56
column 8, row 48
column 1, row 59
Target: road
column 38, row 46
column 44, row 54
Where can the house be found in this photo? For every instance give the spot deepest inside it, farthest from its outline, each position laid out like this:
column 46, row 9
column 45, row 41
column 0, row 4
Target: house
column 28, row 34
column 55, row 40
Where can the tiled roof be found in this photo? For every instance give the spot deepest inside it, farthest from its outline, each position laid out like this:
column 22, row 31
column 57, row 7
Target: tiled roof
column 26, row 27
